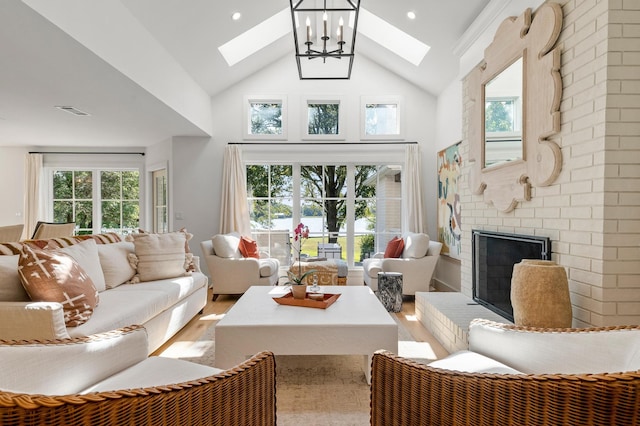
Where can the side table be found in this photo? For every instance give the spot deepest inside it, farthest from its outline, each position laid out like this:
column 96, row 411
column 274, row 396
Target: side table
column 390, row 290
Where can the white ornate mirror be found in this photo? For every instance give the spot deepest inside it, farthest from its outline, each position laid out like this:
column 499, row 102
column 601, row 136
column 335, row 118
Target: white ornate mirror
column 515, row 100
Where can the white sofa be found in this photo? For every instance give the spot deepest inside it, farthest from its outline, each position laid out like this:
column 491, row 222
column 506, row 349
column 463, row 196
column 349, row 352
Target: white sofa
column 231, row 273
column 162, row 306
column 417, row 264
column 107, row 378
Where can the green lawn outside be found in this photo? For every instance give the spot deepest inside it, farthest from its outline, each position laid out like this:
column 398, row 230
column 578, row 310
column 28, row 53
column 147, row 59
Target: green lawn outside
column 310, row 247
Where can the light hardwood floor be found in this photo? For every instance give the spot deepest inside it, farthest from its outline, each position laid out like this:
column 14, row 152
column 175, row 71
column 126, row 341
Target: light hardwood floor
column 214, row 311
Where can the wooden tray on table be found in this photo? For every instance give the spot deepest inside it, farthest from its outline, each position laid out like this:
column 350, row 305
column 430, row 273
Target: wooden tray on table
column 288, row 299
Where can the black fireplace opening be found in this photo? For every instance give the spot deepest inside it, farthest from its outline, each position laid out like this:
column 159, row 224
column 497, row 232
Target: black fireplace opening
column 493, row 257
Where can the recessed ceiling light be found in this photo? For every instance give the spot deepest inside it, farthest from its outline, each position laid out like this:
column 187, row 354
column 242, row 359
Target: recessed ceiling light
column 236, row 16
column 411, row 15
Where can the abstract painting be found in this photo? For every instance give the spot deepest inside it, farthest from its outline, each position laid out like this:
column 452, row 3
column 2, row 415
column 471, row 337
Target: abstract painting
column 449, row 232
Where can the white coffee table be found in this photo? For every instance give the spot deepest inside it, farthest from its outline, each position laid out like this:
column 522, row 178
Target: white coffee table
column 355, row 324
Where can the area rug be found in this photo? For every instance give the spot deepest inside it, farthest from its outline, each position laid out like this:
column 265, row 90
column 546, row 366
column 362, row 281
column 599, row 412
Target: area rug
column 311, row 390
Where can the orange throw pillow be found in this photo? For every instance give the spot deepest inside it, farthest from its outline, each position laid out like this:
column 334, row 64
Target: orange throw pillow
column 249, row 248
column 395, row 247
column 52, row 276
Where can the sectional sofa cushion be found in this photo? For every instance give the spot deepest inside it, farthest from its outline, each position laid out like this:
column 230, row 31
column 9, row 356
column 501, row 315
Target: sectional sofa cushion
column 11, row 289
column 138, row 303
column 86, row 254
column 53, row 276
column 71, row 366
column 114, row 260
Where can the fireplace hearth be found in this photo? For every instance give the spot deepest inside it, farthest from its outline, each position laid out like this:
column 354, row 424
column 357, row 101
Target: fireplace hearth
column 493, row 257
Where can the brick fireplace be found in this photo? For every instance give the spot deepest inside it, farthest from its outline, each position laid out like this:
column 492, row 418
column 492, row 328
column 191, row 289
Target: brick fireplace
column 591, row 212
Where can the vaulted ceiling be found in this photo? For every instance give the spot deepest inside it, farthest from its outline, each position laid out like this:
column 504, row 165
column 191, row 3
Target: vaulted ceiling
column 89, row 55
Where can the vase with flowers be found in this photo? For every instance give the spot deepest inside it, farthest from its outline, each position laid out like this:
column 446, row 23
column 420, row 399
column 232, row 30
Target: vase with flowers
column 296, row 280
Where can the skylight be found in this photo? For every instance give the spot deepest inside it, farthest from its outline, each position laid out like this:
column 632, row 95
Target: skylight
column 256, row 38
column 397, row 41
column 377, row 29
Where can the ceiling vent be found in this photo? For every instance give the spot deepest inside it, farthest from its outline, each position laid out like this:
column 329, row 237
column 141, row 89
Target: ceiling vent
column 74, row 111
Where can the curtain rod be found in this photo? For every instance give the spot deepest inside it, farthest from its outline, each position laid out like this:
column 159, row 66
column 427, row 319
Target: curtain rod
column 85, row 153
column 324, row 143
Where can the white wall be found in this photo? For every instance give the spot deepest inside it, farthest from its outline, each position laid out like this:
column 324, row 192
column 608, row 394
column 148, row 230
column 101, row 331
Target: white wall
column 12, row 188
column 197, row 162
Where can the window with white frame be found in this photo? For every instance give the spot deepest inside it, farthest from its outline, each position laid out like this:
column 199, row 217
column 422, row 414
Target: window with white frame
column 355, row 208
column 96, row 200
column 325, row 118
column 265, row 117
column 381, row 118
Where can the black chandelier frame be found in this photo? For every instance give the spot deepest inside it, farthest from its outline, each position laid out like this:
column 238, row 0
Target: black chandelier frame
column 309, row 53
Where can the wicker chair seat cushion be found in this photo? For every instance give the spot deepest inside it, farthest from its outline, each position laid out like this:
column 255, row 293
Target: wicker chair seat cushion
column 68, row 366
column 558, row 351
column 153, row 372
column 471, row 362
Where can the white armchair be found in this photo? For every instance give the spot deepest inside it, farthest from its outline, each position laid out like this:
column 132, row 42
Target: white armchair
column 417, row 265
column 234, row 275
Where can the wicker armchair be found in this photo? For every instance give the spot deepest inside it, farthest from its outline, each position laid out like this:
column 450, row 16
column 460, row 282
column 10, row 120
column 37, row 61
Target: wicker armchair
column 244, row 395
column 404, row 393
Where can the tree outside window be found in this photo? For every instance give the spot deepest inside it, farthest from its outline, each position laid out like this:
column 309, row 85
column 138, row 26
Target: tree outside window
column 266, row 118
column 323, row 118
column 76, row 192
column 329, row 194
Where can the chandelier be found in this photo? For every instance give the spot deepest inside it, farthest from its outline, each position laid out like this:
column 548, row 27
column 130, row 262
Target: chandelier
column 324, row 33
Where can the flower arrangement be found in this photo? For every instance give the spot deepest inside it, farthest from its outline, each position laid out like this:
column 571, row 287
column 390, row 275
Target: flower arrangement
column 300, row 234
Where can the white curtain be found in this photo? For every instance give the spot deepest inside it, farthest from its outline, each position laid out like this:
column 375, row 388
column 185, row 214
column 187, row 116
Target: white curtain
column 413, row 212
column 234, row 211
column 32, row 175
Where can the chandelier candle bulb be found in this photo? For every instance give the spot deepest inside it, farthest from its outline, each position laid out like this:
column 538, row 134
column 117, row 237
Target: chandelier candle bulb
column 324, row 22
column 308, row 29
column 340, row 29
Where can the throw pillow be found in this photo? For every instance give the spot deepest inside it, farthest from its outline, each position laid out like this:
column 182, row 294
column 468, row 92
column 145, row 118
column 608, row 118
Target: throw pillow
column 191, row 263
column 394, row 248
column 159, row 256
column 11, row 289
column 226, row 245
column 248, row 247
column 53, row 276
column 416, row 245
column 13, row 248
column 106, row 238
column 86, row 254
column 114, row 260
